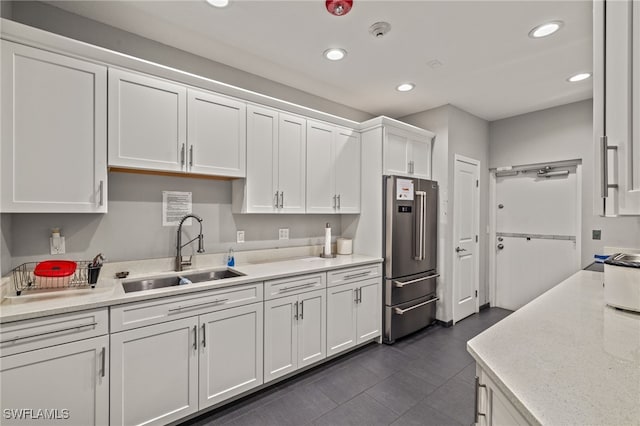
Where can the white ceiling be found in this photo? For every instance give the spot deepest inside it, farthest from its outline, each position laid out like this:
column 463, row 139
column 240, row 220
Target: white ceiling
column 491, row 68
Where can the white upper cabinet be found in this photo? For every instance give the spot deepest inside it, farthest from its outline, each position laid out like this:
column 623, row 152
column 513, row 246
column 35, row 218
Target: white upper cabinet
column 406, row 153
column 216, row 134
column 53, row 149
column 616, row 105
column 333, row 169
column 156, row 124
column 147, row 122
column 276, row 164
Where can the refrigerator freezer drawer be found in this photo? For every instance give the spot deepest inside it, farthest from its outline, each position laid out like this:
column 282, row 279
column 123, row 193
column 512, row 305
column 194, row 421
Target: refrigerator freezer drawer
column 406, row 318
column 406, row 289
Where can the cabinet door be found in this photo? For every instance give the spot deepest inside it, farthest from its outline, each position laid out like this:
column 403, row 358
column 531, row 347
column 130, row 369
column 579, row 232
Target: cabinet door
column 495, row 406
column 420, row 155
column 53, row 150
column 341, row 318
column 292, row 159
column 280, row 337
column 230, row 353
column 312, row 331
column 70, row 381
column 369, row 310
column 147, row 122
column 347, row 166
column 395, row 157
column 262, row 160
column 321, row 195
column 216, row 135
column 154, row 373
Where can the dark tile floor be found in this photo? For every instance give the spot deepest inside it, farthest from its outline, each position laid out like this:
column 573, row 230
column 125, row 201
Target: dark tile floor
column 424, row 379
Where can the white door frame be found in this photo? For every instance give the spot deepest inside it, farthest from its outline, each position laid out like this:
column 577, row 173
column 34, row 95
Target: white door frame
column 493, row 224
column 458, row 157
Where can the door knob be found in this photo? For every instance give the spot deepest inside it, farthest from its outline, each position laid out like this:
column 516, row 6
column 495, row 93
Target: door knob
column 500, row 246
column 458, row 249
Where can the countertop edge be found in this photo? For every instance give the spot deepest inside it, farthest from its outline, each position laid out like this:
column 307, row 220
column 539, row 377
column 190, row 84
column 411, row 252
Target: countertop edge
column 111, row 299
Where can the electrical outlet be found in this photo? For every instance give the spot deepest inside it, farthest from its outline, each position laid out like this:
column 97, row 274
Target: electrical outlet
column 240, row 237
column 596, row 234
column 283, row 234
column 57, row 247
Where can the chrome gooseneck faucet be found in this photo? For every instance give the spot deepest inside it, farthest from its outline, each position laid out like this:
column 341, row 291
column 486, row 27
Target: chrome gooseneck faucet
column 179, row 262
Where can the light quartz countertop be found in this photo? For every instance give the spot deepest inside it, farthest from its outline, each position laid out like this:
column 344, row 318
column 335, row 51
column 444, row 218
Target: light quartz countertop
column 566, row 358
column 109, row 290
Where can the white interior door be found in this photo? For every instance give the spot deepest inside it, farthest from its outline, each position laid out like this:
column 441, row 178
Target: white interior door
column 466, row 268
column 536, row 228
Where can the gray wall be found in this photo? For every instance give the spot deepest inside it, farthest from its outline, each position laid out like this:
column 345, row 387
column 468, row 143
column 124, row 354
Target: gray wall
column 52, row 19
column 132, row 229
column 457, row 132
column 562, row 133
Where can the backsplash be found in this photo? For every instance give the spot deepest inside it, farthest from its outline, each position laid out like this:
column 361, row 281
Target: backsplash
column 132, row 229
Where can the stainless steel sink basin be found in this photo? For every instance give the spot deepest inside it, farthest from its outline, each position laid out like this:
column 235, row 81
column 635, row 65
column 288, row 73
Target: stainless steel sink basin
column 198, row 277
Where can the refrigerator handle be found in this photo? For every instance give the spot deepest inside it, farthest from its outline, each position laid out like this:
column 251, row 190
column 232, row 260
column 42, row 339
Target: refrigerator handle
column 421, row 219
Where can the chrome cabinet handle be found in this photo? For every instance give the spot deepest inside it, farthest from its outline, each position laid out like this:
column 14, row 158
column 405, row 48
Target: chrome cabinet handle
column 476, row 410
column 295, row 316
column 403, row 311
column 360, row 274
column 360, row 295
column 101, row 189
column 335, row 204
column 604, row 166
column 295, row 287
column 179, row 308
column 277, row 200
column 356, row 295
column 182, row 155
column 339, row 201
column 104, row 362
column 191, row 156
column 204, row 336
column 195, row 337
column 77, row 327
column 401, row 284
column 302, row 310
column 281, row 199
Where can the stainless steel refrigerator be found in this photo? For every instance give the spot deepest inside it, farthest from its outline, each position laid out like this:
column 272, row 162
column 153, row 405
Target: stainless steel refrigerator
column 410, row 247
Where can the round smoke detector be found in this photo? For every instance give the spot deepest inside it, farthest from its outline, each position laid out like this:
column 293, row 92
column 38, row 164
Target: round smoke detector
column 379, row 29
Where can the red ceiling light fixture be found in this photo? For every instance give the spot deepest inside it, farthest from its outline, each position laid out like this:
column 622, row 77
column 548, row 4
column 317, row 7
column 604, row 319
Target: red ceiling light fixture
column 338, row 7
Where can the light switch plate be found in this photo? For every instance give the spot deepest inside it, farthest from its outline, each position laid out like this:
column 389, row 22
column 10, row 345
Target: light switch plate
column 240, row 237
column 283, row 234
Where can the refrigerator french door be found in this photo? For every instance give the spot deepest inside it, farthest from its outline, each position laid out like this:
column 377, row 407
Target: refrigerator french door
column 410, row 247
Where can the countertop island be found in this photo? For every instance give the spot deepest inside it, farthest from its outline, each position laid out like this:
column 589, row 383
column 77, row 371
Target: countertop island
column 566, row 357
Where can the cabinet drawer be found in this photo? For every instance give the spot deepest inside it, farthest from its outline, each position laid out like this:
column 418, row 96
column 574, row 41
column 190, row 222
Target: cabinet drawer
column 28, row 335
column 133, row 315
column 349, row 275
column 294, row 285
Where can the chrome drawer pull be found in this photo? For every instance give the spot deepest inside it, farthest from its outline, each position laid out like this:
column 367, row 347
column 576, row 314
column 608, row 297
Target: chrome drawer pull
column 77, row 327
column 403, row 311
column 104, row 362
column 179, row 308
column 295, row 287
column 476, row 409
column 401, row 284
column 360, row 274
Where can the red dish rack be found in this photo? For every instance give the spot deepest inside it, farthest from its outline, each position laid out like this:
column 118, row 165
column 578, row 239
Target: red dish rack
column 24, row 278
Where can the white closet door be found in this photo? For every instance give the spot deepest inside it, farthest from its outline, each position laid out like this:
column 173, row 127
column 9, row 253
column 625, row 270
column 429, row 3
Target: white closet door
column 536, row 227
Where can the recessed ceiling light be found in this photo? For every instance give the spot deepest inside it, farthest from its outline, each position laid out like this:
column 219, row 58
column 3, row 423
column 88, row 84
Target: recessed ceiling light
column 335, row 54
column 579, row 77
column 545, row 29
column 218, row 3
column 405, row 87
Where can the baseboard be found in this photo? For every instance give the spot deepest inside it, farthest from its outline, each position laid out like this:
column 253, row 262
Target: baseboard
column 485, row 306
column 445, row 323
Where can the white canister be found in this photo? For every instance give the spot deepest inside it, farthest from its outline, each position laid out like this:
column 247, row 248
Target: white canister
column 345, row 245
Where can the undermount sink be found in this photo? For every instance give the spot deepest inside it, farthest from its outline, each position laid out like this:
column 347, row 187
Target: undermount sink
column 197, row 277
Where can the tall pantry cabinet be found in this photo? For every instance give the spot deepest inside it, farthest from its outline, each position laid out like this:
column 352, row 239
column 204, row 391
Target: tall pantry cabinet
column 616, row 103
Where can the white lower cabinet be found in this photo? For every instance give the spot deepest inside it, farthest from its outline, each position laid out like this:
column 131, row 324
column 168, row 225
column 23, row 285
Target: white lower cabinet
column 492, row 406
column 230, row 353
column 353, row 314
column 294, row 332
column 164, row 372
column 55, row 370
